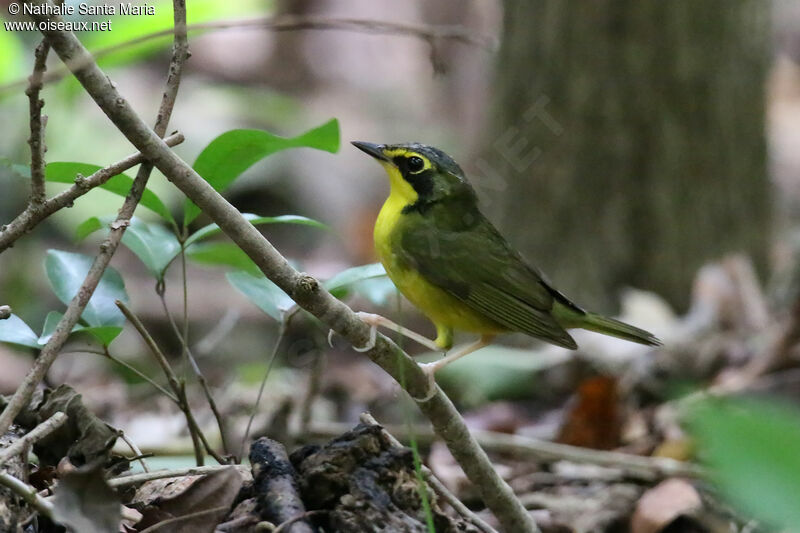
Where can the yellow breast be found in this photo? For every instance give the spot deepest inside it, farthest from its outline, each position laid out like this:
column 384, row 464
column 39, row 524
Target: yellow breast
column 446, row 311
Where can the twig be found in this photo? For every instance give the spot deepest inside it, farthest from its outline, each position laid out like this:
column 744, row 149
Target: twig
column 31, row 216
column 38, row 122
column 312, row 391
column 171, row 523
column 427, row 33
column 634, row 466
column 5, row 312
column 434, row 482
column 198, row 438
column 109, row 246
column 27, row 493
column 142, row 375
column 135, row 449
column 136, row 479
column 278, row 341
column 197, row 372
column 36, row 434
column 275, row 485
column 302, row 288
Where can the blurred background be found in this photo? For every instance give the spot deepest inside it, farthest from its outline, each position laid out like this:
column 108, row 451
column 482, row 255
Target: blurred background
column 644, row 155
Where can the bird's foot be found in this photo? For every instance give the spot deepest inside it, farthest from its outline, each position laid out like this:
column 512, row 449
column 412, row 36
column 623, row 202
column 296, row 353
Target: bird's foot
column 373, row 335
column 429, row 369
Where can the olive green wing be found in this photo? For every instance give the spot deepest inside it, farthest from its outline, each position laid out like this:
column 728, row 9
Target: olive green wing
column 478, row 266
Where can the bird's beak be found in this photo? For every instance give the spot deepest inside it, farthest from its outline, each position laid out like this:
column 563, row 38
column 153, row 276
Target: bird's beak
column 375, row 150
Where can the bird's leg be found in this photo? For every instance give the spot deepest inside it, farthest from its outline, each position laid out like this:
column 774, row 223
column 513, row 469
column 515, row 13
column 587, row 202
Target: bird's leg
column 430, row 368
column 377, row 320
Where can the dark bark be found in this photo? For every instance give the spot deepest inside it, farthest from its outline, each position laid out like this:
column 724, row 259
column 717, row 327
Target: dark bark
column 628, row 141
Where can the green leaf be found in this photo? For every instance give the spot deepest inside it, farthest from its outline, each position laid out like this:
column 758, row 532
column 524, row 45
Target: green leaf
column 128, row 27
column 15, row 331
column 153, row 244
column 66, row 272
column 262, row 292
column 11, row 64
column 340, row 281
column 233, row 152
column 751, row 448
column 222, row 254
column 65, row 172
column 213, row 229
column 104, row 334
column 87, row 227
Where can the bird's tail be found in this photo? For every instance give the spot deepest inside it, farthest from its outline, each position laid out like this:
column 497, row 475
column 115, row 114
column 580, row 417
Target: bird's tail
column 615, row 328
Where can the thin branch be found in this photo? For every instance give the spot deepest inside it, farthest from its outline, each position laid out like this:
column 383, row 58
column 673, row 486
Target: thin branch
column 136, row 479
column 27, row 493
column 312, row 390
column 38, row 122
column 278, row 341
column 142, row 375
column 197, row 372
column 135, row 449
column 32, row 216
column 434, row 482
column 634, row 466
column 302, row 288
column 178, row 388
column 34, row 435
column 47, row 356
column 428, row 33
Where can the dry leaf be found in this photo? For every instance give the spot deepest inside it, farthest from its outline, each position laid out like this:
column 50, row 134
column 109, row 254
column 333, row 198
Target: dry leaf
column 661, row 505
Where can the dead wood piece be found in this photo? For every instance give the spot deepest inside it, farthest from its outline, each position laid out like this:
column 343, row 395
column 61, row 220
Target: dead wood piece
column 13, row 510
column 276, row 485
column 367, row 484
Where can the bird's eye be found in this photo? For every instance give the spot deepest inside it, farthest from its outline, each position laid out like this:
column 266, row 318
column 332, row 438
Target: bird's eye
column 415, row 164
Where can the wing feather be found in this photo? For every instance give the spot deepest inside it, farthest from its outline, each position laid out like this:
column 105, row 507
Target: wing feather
column 475, row 264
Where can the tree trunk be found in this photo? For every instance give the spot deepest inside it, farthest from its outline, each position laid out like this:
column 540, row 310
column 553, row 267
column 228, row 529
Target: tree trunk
column 628, row 141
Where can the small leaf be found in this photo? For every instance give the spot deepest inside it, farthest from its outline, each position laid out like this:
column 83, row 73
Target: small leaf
column 153, row 244
column 233, row 152
column 87, row 227
column 222, row 254
column 65, row 172
column 84, row 502
column 354, row 275
column 751, row 449
column 104, row 334
column 262, row 292
column 66, row 272
column 213, row 229
column 15, row 331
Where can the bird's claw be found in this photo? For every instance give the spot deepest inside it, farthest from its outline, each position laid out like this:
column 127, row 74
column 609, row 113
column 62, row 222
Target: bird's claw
column 429, row 370
column 330, row 337
column 373, row 334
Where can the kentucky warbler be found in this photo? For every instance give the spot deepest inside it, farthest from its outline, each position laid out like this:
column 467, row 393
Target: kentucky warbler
column 451, row 262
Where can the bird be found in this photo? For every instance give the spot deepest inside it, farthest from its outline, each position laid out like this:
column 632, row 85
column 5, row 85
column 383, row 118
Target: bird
column 451, row 262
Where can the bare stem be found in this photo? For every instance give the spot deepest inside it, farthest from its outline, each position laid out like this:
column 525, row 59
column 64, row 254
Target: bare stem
column 178, row 387
column 278, row 341
column 33, row 215
column 198, row 373
column 109, row 246
column 37, row 121
column 36, row 434
column 136, row 479
column 27, row 493
column 427, row 33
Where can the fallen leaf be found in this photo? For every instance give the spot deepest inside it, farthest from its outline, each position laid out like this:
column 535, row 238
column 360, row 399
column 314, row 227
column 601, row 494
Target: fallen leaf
column 594, row 419
column 663, row 504
column 84, row 503
column 191, row 504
